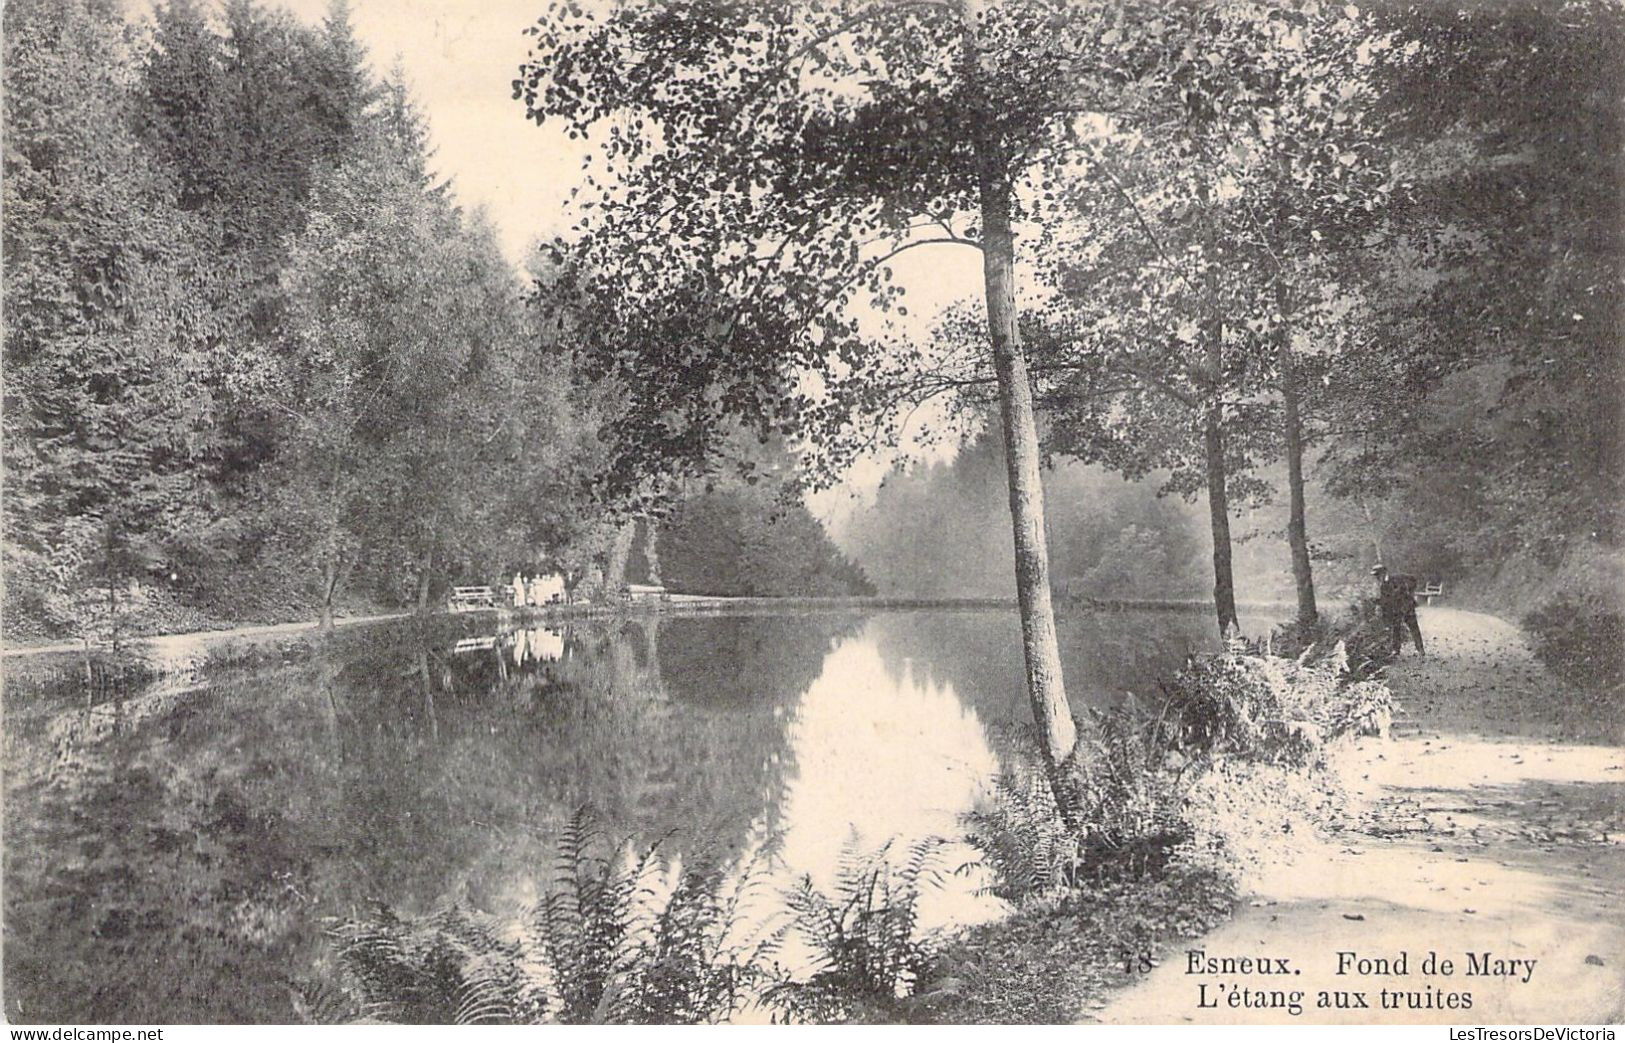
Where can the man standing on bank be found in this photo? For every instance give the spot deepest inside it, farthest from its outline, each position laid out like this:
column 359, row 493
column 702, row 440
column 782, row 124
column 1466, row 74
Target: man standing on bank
column 1396, row 600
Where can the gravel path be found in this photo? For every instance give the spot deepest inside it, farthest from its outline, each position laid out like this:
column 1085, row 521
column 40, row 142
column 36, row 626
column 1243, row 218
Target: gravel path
column 172, row 645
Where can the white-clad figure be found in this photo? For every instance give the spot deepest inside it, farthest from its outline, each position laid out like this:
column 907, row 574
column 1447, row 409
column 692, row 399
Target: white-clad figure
column 518, row 589
column 546, row 645
column 537, row 594
column 521, row 648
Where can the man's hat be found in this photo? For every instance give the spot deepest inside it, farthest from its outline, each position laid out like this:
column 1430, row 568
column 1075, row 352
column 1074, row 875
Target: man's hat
column 1375, row 569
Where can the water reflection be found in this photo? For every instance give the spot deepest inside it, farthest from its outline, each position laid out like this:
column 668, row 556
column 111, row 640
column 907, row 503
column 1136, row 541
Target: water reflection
column 171, row 856
column 1107, row 658
column 900, row 761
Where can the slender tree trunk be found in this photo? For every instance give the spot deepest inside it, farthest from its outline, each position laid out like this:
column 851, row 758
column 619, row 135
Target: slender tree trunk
column 330, row 585
column 651, row 643
column 1046, row 689
column 332, row 566
column 1371, row 527
column 112, row 595
column 428, row 691
column 651, row 548
column 425, row 574
column 1297, row 528
column 619, row 552
column 1218, row 505
column 1218, row 496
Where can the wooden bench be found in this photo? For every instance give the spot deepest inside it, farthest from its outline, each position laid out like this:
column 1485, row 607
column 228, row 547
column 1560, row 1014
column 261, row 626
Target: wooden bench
column 1431, row 591
column 464, row 598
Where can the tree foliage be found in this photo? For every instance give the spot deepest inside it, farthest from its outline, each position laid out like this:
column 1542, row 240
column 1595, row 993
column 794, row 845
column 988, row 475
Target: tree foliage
column 253, row 348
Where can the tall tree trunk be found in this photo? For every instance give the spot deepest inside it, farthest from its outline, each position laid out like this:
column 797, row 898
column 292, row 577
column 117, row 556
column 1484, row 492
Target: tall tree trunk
column 1218, row 507
column 1046, row 689
column 1297, row 528
column 330, row 585
column 1218, row 496
column 619, row 552
column 651, row 548
column 425, row 574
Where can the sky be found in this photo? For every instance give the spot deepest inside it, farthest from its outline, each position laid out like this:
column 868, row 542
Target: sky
column 459, row 58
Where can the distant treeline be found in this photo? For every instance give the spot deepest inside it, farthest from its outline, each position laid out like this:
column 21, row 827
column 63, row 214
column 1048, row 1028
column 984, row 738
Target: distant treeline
column 941, row 530
column 737, row 542
column 257, row 360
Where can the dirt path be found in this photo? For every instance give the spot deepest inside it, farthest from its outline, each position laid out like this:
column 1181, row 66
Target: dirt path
column 171, row 645
column 1489, row 833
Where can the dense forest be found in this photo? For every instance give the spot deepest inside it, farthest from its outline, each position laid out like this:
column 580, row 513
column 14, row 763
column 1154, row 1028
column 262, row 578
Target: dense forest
column 1349, row 276
column 258, row 361
column 935, row 530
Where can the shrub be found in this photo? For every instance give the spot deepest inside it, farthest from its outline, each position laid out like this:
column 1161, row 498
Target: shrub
column 1243, row 815
column 1265, row 707
column 1360, row 708
column 1359, row 629
column 1581, row 638
column 1234, row 756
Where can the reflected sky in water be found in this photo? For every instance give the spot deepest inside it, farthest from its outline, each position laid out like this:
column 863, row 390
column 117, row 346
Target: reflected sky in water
column 171, row 855
column 882, row 756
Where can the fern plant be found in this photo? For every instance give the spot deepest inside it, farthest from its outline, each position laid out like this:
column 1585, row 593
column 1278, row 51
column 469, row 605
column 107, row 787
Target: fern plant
column 869, row 953
column 1022, row 838
column 448, row 968
column 1130, row 794
column 1128, row 783
column 626, row 949
column 618, row 937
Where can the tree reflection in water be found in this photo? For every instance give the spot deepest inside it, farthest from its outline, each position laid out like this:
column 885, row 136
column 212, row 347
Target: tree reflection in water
column 172, row 856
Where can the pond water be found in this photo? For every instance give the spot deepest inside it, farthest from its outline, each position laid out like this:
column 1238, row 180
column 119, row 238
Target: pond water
column 172, row 855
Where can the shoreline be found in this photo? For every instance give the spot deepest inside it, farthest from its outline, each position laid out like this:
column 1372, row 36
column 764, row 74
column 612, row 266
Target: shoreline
column 673, row 605
column 682, row 604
